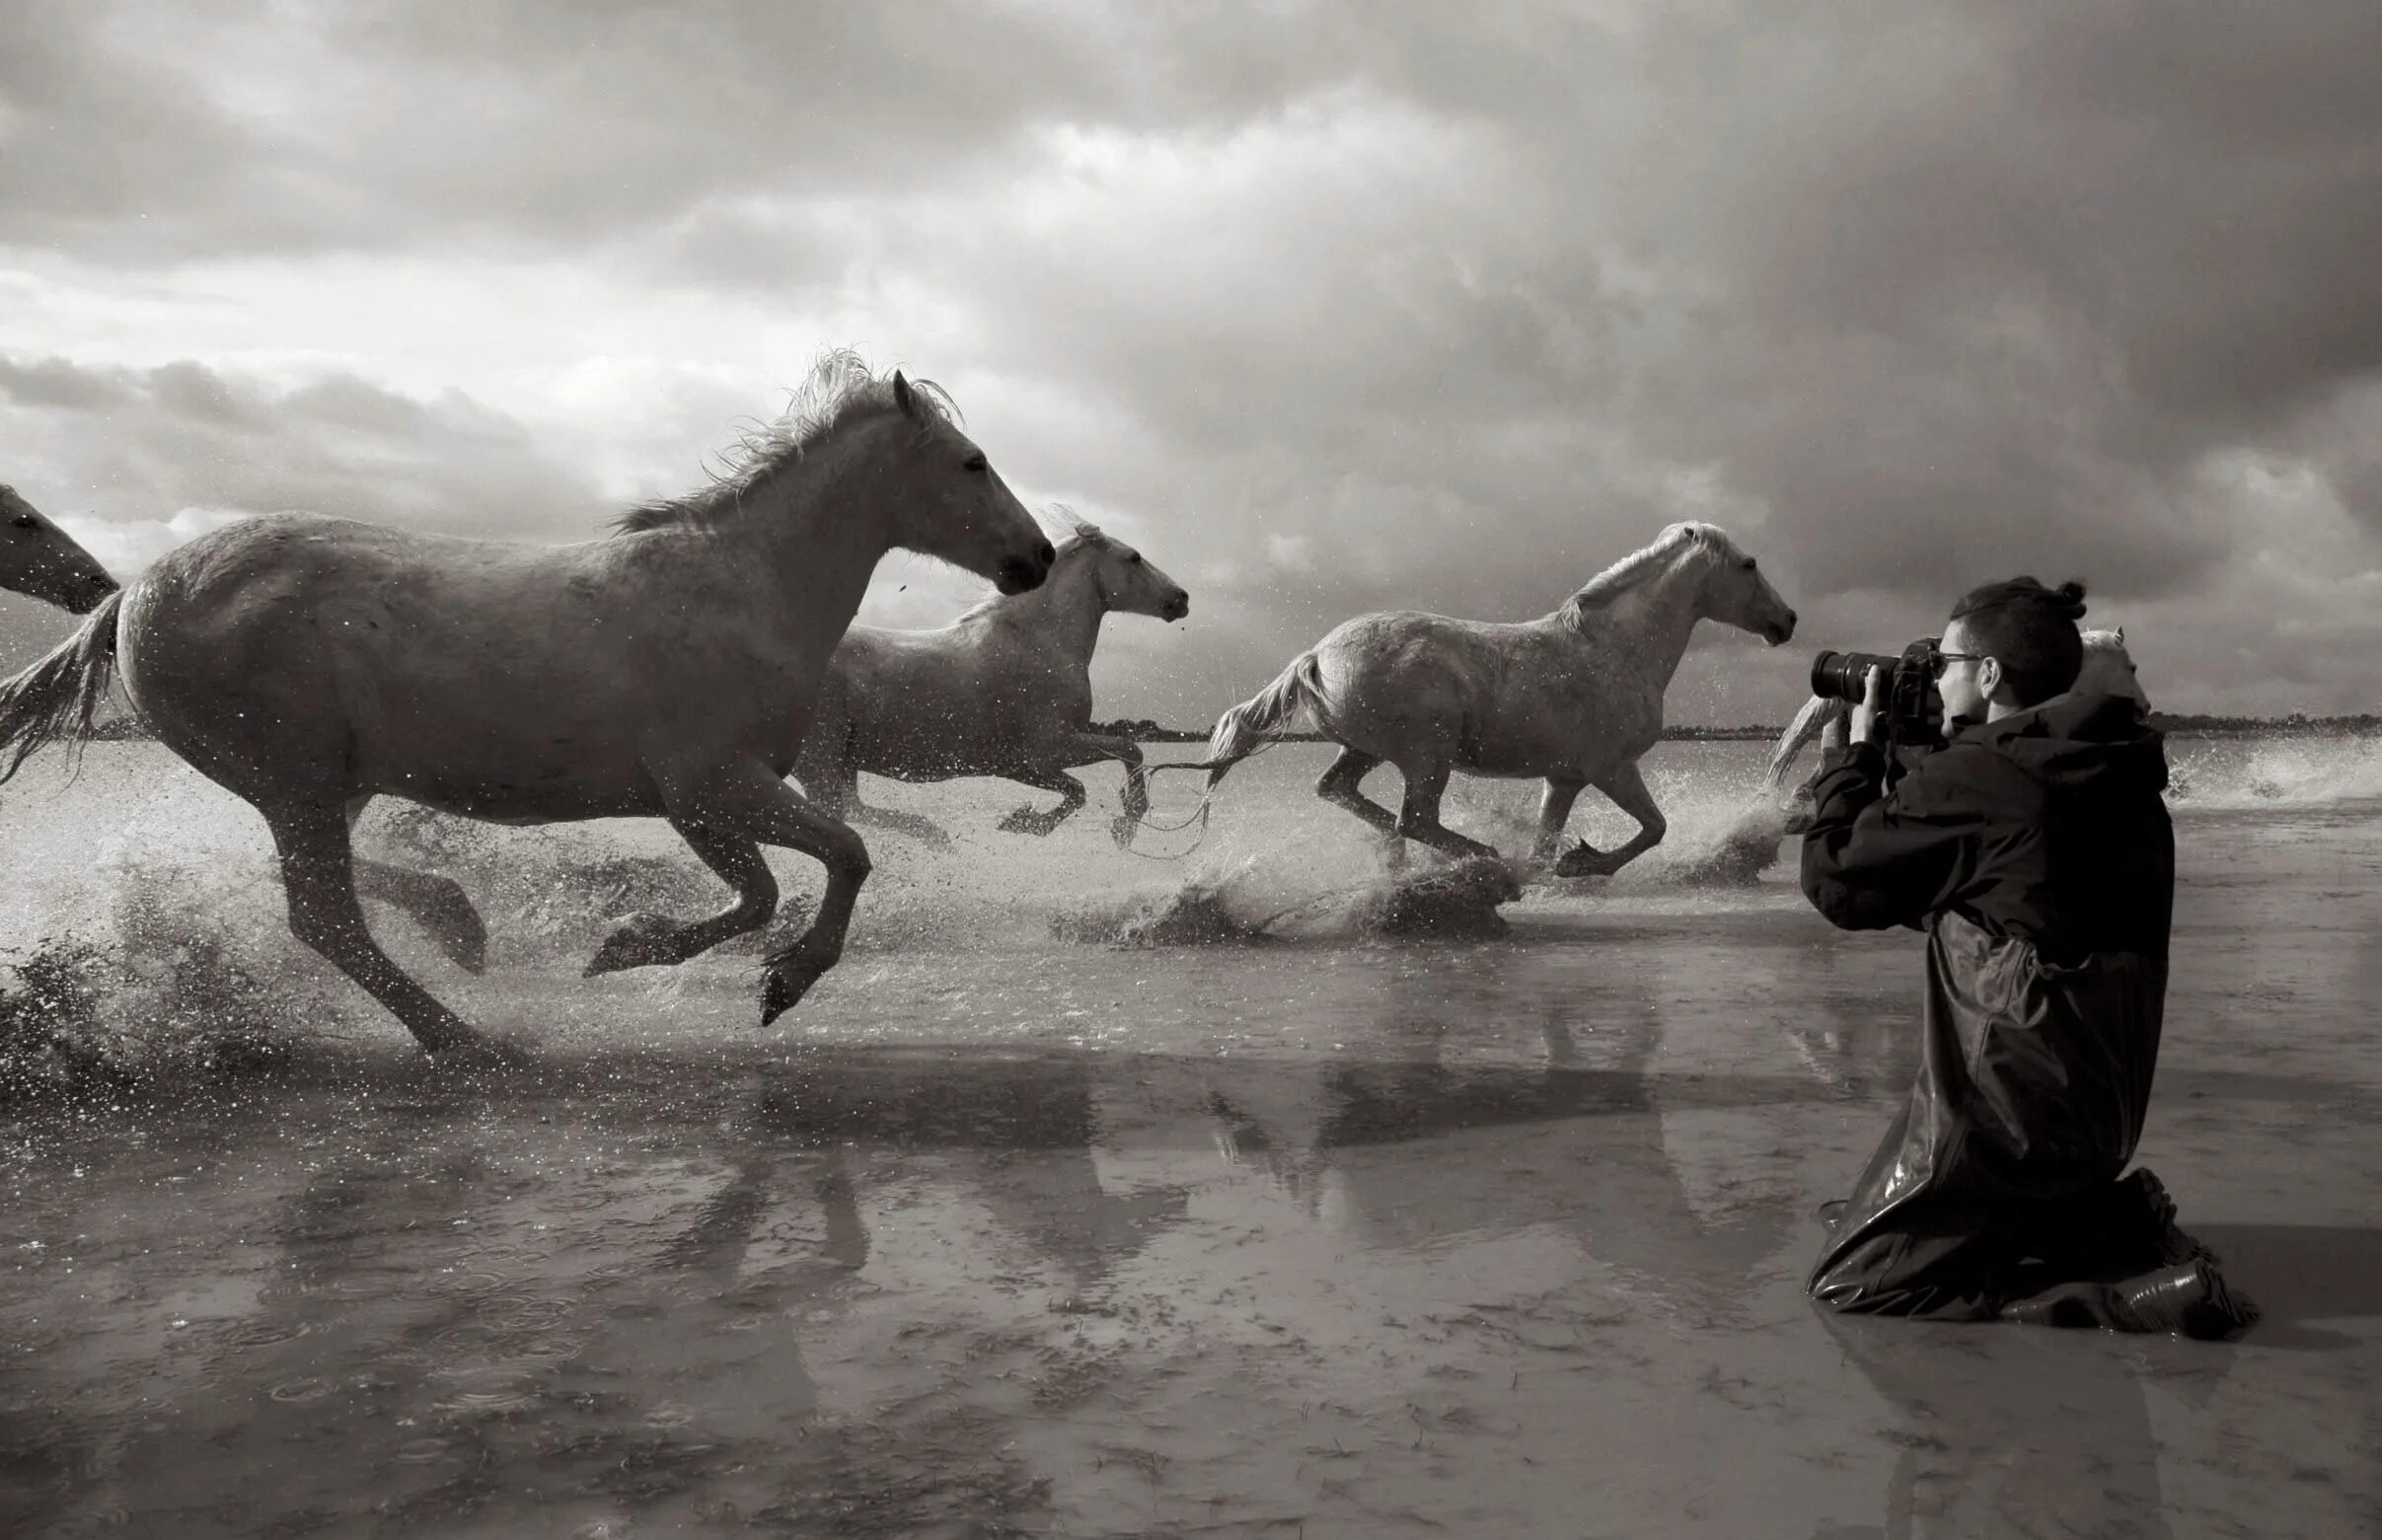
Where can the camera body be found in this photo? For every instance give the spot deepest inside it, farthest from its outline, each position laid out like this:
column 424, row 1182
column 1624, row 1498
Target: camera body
column 1914, row 710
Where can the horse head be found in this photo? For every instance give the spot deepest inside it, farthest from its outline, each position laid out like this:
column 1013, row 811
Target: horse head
column 953, row 505
column 1735, row 591
column 2110, row 670
column 1128, row 583
column 41, row 561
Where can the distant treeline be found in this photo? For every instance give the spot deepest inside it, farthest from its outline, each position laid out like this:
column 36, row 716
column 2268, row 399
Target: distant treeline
column 2297, row 724
column 1144, row 730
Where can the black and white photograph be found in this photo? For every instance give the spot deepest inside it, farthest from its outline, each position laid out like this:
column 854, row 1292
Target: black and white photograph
column 1295, row 768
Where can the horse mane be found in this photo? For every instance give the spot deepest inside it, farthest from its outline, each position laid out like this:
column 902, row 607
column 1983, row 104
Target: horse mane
column 842, row 389
column 1630, row 570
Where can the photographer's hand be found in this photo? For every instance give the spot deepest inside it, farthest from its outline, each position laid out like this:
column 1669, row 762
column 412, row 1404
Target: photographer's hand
column 1871, row 713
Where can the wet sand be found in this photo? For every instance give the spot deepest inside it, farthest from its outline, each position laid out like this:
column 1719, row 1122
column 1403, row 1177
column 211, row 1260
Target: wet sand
column 1321, row 1237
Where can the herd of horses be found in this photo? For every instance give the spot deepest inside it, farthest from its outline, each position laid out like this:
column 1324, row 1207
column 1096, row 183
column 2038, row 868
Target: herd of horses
column 686, row 666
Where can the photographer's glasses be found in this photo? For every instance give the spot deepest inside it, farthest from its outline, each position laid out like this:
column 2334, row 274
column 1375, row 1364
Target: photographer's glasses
column 1944, row 660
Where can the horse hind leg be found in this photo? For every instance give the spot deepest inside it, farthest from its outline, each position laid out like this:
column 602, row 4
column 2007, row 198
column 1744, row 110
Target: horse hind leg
column 318, row 876
column 1417, row 814
column 437, row 904
column 1030, row 820
column 1626, row 788
column 1338, row 785
column 916, row 826
column 646, row 941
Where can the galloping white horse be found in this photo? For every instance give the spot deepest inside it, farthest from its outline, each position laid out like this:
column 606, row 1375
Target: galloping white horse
column 310, row 664
column 1004, row 689
column 1574, row 697
column 2109, row 669
column 41, row 561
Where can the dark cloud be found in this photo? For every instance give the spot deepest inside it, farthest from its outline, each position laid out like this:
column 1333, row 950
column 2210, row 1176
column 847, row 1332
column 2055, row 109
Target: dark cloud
column 139, row 445
column 1353, row 305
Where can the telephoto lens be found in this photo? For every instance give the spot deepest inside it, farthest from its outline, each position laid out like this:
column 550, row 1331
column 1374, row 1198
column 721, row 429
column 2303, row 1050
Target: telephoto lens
column 1845, row 675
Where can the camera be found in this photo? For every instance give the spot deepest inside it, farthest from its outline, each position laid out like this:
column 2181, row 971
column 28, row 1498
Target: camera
column 1914, row 711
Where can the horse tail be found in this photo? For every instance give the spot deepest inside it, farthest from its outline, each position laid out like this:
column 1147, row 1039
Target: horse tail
column 56, row 699
column 1265, row 715
column 1806, row 726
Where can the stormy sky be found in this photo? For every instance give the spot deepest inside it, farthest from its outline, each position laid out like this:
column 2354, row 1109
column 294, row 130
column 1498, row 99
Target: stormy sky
column 1328, row 307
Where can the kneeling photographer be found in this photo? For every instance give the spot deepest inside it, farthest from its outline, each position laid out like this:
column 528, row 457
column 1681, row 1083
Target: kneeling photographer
column 2034, row 846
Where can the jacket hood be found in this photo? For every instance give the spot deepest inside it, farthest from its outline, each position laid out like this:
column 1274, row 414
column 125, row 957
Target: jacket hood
column 2078, row 741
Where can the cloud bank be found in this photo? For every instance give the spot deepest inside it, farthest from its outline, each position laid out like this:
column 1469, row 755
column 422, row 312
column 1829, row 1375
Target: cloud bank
column 1328, row 307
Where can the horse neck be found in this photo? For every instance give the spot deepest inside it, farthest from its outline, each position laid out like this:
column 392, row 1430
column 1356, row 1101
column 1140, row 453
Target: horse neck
column 1064, row 612
column 819, row 526
column 1648, row 623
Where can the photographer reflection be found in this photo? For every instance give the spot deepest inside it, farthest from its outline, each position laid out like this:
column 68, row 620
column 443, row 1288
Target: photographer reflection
column 2035, row 849
column 1987, row 1440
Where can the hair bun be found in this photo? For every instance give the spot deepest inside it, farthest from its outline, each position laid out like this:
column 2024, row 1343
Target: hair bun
column 2070, row 595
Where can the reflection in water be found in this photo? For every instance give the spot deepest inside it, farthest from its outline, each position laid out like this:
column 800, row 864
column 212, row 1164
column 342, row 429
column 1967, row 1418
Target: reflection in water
column 1414, row 1147
column 1018, row 1133
column 2005, row 1431
column 1531, row 1210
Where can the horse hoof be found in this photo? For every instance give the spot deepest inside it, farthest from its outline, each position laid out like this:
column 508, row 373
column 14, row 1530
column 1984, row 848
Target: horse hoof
column 1583, row 860
column 780, row 995
column 640, row 942
column 1122, row 829
column 1026, row 821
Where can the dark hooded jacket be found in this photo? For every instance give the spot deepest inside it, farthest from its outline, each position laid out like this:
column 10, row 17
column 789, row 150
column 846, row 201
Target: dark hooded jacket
column 2037, row 853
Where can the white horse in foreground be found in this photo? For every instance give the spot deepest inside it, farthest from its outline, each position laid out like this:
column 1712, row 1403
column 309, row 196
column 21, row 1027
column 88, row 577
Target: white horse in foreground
column 2109, row 669
column 1574, row 697
column 310, row 664
column 43, row 562
column 1004, row 689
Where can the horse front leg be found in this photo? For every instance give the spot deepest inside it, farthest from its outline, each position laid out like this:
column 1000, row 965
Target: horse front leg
column 1554, row 811
column 747, row 799
column 1090, row 749
column 1627, row 790
column 1026, row 819
column 646, row 941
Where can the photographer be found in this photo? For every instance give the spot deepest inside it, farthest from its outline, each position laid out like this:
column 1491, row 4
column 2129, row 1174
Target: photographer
column 2035, row 849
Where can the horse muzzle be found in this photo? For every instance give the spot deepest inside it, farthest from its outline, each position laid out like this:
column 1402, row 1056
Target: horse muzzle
column 1779, row 632
column 1021, row 574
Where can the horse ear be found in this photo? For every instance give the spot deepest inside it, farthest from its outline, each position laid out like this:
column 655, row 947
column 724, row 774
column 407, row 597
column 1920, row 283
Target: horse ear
column 903, row 396
column 2121, row 636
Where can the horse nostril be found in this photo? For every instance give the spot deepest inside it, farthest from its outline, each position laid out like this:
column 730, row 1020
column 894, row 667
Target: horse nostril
column 1046, row 553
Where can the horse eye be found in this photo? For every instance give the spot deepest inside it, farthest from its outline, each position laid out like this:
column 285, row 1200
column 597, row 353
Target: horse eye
column 26, row 521
column 1136, row 559
column 1748, row 563
column 974, row 463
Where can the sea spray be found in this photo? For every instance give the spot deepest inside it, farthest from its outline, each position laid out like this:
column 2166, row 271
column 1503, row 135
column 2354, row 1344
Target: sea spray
column 1434, row 897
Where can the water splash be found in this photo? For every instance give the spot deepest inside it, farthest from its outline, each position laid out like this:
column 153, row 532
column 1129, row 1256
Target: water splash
column 174, row 982
column 2218, row 774
column 1246, row 904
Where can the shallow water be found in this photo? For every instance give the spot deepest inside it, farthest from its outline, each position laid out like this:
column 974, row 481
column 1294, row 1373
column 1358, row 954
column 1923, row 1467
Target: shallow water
column 1321, row 1233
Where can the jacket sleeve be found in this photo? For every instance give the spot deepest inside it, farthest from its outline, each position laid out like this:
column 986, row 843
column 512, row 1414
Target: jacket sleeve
column 1874, row 858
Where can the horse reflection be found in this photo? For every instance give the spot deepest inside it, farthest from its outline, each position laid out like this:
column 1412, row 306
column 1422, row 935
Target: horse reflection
column 1413, row 1151
column 1019, row 1133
